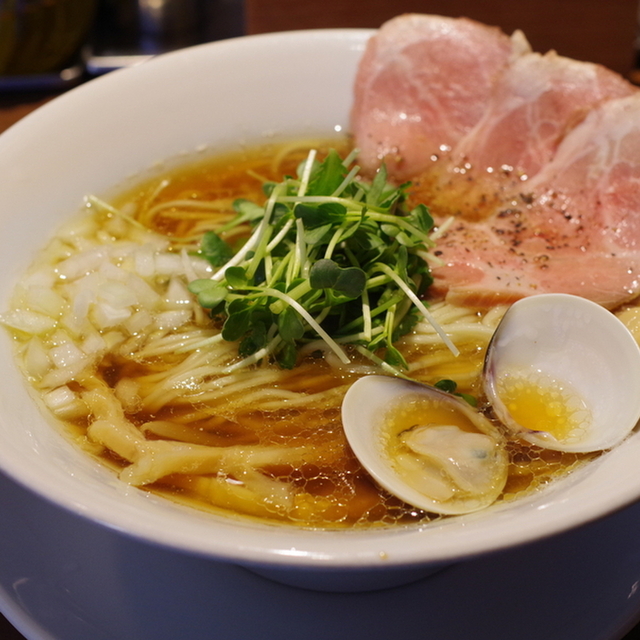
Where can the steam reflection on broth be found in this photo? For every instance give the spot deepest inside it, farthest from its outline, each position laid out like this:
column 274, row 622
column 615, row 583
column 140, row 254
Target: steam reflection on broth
column 109, row 335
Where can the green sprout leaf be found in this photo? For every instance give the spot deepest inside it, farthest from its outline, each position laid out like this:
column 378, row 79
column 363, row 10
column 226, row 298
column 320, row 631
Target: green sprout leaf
column 395, row 358
column 328, row 176
column 329, row 257
column 421, row 218
column 237, row 323
column 215, row 249
column 290, row 325
column 326, row 274
column 254, row 340
column 450, row 386
column 378, row 186
column 210, row 294
column 236, row 278
column 287, row 356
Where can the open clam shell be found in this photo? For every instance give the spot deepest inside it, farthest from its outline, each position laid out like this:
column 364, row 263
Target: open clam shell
column 564, row 373
column 425, row 446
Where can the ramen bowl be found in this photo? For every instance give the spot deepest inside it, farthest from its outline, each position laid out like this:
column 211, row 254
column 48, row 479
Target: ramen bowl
column 113, row 132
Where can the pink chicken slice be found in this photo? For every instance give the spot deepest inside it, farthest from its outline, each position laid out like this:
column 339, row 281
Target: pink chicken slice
column 541, row 176
column 423, row 83
column 535, row 103
column 577, row 230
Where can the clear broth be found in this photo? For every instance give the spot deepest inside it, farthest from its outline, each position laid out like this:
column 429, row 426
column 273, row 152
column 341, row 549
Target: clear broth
column 327, row 488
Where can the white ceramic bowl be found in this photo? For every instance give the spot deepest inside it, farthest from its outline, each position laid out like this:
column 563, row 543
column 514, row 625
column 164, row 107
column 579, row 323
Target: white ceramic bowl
column 217, row 97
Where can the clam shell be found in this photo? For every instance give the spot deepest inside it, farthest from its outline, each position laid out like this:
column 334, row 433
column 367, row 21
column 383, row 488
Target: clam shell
column 584, row 363
column 423, row 445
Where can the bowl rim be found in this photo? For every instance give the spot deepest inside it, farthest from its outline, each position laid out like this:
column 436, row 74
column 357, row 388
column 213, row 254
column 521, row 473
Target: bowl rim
column 277, row 545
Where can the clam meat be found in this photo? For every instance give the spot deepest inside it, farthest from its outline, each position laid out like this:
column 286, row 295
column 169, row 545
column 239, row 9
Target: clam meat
column 560, row 372
column 425, row 446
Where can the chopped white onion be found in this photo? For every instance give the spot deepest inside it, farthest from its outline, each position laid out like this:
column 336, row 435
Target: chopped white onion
column 65, row 403
column 173, row 319
column 139, row 321
column 30, row 322
column 59, row 377
column 105, row 316
column 36, row 359
column 169, row 264
column 66, row 355
column 82, row 263
column 147, row 296
column 117, row 295
column 178, row 296
column 43, row 277
column 93, row 344
column 45, row 300
column 144, row 262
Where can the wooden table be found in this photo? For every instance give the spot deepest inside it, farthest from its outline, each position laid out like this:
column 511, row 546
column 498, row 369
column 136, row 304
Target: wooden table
column 597, row 30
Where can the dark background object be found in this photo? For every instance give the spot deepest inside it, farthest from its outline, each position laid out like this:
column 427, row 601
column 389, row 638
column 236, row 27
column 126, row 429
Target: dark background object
column 50, row 44
column 41, row 36
column 129, row 31
column 40, row 42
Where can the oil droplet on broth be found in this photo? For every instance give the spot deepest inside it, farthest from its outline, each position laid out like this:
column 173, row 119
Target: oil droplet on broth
column 540, row 403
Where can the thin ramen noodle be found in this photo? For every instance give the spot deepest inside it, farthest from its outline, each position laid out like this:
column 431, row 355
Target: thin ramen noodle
column 120, row 352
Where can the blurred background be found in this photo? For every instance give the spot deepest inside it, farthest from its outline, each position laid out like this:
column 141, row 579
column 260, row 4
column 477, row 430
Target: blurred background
column 48, row 44
column 596, row 30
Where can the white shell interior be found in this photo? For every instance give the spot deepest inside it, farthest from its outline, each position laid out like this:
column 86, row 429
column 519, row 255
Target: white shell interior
column 365, row 411
column 575, row 341
column 217, row 97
